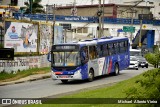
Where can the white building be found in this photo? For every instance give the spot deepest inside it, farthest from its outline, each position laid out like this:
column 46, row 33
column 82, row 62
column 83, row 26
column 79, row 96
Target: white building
column 155, row 3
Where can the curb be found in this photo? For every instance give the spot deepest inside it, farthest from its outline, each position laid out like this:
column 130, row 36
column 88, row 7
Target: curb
column 27, row 80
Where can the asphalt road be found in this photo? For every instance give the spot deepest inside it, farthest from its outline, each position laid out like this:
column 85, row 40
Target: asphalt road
column 50, row 88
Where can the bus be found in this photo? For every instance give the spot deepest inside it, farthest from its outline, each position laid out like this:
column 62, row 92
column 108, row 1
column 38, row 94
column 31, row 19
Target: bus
column 89, row 58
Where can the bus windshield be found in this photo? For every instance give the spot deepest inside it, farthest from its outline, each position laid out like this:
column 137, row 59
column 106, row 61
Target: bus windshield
column 64, row 59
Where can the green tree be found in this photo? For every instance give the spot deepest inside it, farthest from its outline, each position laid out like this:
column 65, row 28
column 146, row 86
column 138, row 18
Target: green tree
column 154, row 58
column 35, row 6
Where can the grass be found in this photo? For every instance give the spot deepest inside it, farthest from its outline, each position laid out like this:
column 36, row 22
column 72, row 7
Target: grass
column 5, row 77
column 116, row 91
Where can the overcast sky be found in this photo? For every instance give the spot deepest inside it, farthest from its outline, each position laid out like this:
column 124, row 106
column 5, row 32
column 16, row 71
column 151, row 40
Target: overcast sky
column 85, row 2
column 64, row 2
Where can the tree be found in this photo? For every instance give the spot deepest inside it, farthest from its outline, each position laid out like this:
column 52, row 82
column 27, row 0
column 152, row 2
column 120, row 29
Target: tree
column 34, row 6
column 154, row 58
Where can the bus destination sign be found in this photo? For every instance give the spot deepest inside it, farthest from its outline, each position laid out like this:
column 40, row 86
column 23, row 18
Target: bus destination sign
column 58, row 47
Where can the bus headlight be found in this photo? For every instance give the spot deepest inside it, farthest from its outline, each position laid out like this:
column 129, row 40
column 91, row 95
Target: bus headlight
column 77, row 75
column 77, row 72
column 52, row 72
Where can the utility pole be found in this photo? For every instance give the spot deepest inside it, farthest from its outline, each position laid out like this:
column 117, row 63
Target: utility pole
column 9, row 10
column 54, row 19
column 46, row 13
column 103, row 19
column 99, row 14
column 131, row 36
column 74, row 10
column 92, row 2
column 140, row 34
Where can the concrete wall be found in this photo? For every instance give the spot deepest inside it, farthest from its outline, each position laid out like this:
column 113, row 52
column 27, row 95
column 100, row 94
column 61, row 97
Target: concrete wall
column 24, row 63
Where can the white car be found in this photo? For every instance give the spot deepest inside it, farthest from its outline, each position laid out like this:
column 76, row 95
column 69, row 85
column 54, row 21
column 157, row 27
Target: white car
column 133, row 63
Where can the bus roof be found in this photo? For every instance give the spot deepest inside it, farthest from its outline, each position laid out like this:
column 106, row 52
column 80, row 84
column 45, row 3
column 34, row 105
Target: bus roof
column 112, row 39
column 95, row 41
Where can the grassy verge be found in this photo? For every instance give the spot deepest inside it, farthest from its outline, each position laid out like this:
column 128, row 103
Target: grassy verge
column 4, row 77
column 116, row 91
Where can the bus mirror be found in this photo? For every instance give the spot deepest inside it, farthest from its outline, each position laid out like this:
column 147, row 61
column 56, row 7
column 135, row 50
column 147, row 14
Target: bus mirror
column 49, row 56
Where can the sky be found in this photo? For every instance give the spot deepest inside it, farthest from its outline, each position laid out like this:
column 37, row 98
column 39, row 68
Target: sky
column 64, row 2
column 85, row 2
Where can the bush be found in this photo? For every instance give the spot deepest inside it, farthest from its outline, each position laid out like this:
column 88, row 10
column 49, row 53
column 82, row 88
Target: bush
column 148, row 86
column 153, row 58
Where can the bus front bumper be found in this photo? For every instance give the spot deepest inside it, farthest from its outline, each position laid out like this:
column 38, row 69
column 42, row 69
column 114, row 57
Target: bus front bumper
column 77, row 76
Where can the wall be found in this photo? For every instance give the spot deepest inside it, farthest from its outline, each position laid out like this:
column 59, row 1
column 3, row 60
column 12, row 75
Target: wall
column 85, row 11
column 126, row 12
column 24, row 63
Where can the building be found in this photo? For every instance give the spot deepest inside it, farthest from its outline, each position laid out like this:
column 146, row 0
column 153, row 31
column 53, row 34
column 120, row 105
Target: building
column 154, row 3
column 110, row 10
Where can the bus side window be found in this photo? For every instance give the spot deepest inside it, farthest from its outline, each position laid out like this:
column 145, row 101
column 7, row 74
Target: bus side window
column 105, row 50
column 92, row 52
column 126, row 45
column 100, row 50
column 122, row 47
column 84, row 55
column 116, row 46
column 111, row 49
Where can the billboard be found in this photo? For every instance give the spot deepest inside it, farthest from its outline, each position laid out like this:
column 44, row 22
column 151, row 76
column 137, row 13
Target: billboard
column 21, row 36
column 45, row 38
column 58, row 34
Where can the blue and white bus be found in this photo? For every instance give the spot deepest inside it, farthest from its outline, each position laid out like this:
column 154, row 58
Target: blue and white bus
column 88, row 59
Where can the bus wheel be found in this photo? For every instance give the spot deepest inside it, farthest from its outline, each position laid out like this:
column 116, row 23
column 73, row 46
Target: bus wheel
column 116, row 69
column 91, row 76
column 64, row 81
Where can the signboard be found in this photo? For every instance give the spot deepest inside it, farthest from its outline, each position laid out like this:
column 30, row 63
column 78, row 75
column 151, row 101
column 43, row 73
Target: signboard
column 65, row 26
column 145, row 16
column 129, row 29
column 147, row 26
column 21, row 36
column 45, row 38
column 58, row 34
column 62, row 47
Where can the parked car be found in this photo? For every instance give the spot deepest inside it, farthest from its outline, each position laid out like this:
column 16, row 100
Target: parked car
column 142, row 62
column 133, row 62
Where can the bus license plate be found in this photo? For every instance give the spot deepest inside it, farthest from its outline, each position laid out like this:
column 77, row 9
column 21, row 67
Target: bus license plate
column 63, row 76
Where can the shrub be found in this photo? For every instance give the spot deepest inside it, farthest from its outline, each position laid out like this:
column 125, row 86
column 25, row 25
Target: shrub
column 153, row 58
column 148, row 86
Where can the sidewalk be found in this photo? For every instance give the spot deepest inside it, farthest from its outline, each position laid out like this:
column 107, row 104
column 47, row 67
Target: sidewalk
column 28, row 78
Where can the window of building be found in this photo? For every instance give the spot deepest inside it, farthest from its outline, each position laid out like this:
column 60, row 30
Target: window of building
column 82, row 30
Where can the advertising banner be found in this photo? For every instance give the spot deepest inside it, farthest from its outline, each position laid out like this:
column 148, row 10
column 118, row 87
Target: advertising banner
column 58, row 34
column 45, row 38
column 21, row 36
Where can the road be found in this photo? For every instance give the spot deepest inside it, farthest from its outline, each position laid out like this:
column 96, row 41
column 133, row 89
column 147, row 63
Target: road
column 50, row 88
